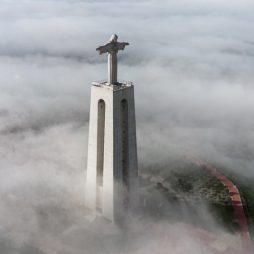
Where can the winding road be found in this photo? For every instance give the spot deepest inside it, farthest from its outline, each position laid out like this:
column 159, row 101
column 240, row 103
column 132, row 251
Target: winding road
column 246, row 243
column 236, row 203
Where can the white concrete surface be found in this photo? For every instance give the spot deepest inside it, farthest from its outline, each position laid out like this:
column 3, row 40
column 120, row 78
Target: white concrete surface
column 118, row 190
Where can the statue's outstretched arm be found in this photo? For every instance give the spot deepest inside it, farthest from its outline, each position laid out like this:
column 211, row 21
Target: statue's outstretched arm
column 103, row 49
column 121, row 45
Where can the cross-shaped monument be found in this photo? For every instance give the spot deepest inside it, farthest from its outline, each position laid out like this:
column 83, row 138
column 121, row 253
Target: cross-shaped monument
column 112, row 167
column 112, row 48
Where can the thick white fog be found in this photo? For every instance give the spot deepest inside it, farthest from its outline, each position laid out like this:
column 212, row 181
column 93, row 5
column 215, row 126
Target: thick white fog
column 192, row 66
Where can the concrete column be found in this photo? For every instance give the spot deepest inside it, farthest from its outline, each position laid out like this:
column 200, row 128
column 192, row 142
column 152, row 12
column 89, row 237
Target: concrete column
column 120, row 171
column 112, row 68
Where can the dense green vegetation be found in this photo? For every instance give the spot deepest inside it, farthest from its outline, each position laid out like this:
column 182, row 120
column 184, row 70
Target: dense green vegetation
column 194, row 187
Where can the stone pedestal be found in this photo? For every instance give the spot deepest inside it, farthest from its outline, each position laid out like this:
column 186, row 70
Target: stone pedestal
column 112, row 170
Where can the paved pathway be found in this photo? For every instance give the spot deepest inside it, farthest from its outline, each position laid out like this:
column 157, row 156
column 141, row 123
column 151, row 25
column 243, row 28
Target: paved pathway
column 216, row 245
column 236, row 203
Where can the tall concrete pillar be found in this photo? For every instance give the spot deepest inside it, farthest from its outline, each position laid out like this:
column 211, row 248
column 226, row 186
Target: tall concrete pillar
column 112, row 170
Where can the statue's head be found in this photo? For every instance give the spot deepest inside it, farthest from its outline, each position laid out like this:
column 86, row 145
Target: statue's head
column 113, row 38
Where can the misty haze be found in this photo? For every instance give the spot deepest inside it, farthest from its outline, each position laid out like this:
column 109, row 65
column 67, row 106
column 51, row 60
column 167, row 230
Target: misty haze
column 192, row 66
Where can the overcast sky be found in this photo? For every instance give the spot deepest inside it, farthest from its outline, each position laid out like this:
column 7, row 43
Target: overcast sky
column 192, row 64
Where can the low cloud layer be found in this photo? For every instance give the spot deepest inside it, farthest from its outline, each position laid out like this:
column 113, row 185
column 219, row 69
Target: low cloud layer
column 192, row 66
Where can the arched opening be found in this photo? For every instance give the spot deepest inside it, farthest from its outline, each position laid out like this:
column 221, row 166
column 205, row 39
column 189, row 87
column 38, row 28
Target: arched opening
column 100, row 150
column 125, row 145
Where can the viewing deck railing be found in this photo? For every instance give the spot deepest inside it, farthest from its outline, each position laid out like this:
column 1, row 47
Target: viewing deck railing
column 120, row 84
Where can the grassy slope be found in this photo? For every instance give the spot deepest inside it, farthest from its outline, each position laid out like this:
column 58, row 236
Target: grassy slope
column 194, row 186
